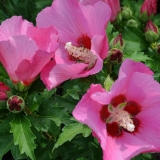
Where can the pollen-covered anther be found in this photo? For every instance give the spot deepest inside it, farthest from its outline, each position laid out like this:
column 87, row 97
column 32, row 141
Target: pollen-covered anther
column 123, row 119
column 81, row 54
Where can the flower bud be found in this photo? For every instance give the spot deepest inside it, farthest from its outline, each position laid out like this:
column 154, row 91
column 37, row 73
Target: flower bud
column 117, row 42
column 126, row 13
column 157, row 48
column 119, row 18
column 151, row 32
column 132, row 23
column 15, row 104
column 115, row 55
column 143, row 17
column 149, row 7
column 21, row 87
column 3, row 89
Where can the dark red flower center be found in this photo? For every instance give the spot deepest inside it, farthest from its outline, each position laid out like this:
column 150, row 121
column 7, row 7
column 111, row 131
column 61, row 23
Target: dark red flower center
column 84, row 41
column 119, row 116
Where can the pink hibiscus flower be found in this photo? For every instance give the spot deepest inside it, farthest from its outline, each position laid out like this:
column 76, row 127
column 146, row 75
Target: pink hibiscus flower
column 114, row 5
column 24, row 49
column 82, row 38
column 125, row 120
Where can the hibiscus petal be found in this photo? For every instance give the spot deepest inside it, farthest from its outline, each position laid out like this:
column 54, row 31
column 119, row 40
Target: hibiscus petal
column 147, row 88
column 13, row 27
column 33, row 67
column 125, row 147
column 60, row 73
column 87, row 112
column 129, row 66
column 149, row 125
column 13, row 51
column 45, row 38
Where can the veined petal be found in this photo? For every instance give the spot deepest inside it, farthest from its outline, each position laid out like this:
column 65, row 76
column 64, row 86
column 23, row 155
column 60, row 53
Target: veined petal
column 13, row 27
column 33, row 67
column 45, row 38
column 13, row 51
column 87, row 112
column 128, row 67
column 60, row 73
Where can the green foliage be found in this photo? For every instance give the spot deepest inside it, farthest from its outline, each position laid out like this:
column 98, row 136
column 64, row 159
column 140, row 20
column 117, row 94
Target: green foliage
column 49, row 109
column 23, row 136
column 137, row 56
column 70, row 131
column 134, row 39
column 46, row 129
column 6, row 138
column 28, row 9
column 143, row 157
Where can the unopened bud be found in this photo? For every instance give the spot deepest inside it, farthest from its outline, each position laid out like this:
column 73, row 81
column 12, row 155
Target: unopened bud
column 132, row 23
column 143, row 17
column 15, row 104
column 21, row 87
column 149, row 6
column 3, row 89
column 157, row 48
column 126, row 13
column 119, row 18
column 115, row 55
column 151, row 32
column 117, row 42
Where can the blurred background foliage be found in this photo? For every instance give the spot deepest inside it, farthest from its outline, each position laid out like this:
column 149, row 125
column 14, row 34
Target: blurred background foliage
column 28, row 9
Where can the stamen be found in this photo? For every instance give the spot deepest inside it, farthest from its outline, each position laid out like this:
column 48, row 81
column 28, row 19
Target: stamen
column 123, row 118
column 82, row 54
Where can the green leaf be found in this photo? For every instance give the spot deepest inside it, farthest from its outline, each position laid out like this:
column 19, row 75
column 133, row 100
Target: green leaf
column 6, row 138
column 6, row 142
column 16, row 153
column 156, row 19
column 134, row 39
column 96, row 151
column 73, row 94
column 143, row 157
column 40, row 123
column 109, row 31
column 49, row 109
column 108, row 83
column 137, row 56
column 155, row 63
column 48, row 94
column 70, row 131
column 23, row 136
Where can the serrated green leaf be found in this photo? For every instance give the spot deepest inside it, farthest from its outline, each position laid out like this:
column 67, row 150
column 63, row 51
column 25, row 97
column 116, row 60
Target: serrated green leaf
column 134, row 39
column 23, row 136
column 70, row 131
column 137, row 56
column 49, row 109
